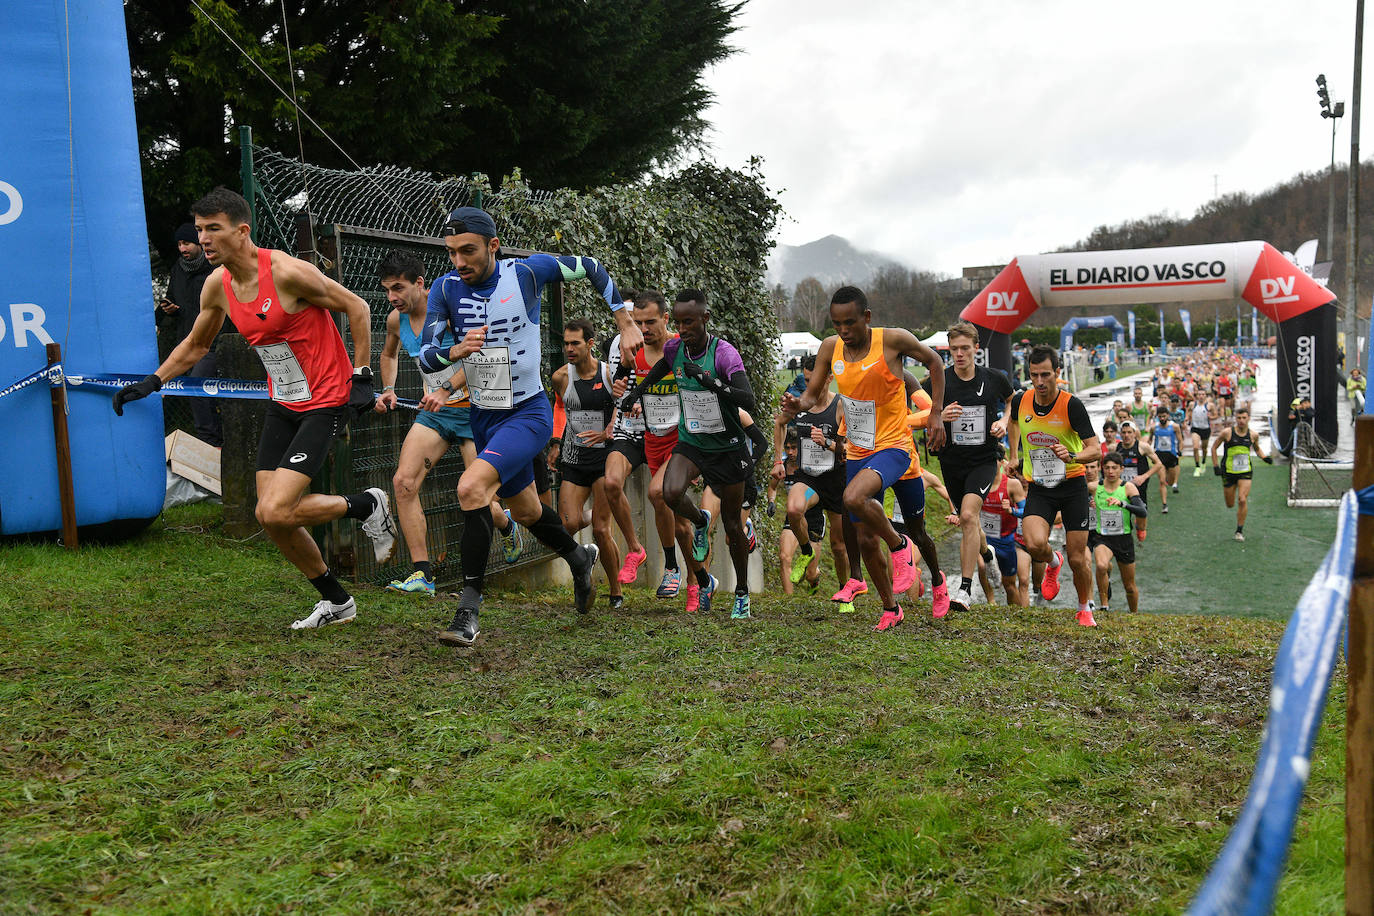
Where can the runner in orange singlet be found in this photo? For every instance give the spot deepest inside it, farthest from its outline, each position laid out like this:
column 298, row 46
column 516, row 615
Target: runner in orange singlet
column 281, row 305
column 867, row 366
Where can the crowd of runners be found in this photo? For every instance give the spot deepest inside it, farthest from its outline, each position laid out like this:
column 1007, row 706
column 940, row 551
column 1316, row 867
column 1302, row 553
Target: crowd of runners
column 1029, row 482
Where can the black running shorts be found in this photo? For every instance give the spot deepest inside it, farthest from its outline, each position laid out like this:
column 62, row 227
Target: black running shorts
column 1069, row 499
column 299, row 440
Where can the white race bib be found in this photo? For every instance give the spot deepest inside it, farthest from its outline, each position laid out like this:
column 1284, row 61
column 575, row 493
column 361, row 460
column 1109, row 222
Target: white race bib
column 816, row 459
column 288, row 378
column 1092, row 518
column 860, row 421
column 1113, row 521
column 632, row 424
column 991, row 523
column 434, row 381
column 971, row 427
column 1128, row 474
column 1240, row 463
column 489, row 378
column 897, row 513
column 701, row 410
column 585, row 421
column 661, row 412
column 1046, row 468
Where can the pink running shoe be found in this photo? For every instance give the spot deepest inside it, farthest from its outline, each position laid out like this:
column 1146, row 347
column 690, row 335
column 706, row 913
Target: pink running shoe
column 1085, row 619
column 940, row 607
column 903, row 570
column 889, row 620
column 1049, row 586
column 850, row 590
column 630, row 571
column 693, row 597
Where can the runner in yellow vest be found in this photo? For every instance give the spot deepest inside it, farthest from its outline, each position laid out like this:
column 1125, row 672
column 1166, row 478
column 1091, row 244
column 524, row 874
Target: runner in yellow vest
column 1235, row 470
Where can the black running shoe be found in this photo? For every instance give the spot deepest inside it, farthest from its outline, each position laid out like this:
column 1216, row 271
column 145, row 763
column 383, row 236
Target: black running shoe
column 584, row 588
column 463, row 631
column 617, row 601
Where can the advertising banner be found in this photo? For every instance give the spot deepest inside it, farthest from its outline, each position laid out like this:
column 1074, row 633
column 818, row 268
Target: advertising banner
column 1187, row 318
column 1130, row 325
column 73, row 265
column 1303, row 373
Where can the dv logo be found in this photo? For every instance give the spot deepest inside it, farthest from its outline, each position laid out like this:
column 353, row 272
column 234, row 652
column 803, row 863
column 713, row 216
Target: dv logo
column 1002, row 303
column 1278, row 289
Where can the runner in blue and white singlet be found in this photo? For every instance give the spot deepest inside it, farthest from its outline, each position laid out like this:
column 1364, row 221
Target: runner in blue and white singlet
column 492, row 307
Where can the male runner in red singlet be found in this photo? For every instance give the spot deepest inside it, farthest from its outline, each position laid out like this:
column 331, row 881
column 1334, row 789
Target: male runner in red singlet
column 281, row 305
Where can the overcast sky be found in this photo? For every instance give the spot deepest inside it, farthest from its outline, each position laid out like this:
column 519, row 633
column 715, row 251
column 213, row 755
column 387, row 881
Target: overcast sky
column 960, row 133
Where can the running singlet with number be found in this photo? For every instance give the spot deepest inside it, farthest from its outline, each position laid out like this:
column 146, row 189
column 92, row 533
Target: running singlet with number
column 1112, row 519
column 995, row 521
column 1200, row 418
column 587, row 404
column 433, row 381
column 873, row 401
column 815, row 459
column 707, row 422
column 1237, row 457
column 505, row 372
column 1130, row 462
column 1165, row 439
column 660, row 402
column 304, row 355
column 969, row 440
column 1039, row 432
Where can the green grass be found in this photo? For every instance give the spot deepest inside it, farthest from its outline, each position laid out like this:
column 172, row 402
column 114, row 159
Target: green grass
column 168, row 746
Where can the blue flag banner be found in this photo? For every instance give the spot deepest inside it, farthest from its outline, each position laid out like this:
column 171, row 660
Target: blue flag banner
column 1130, row 326
column 1254, row 327
column 1187, row 318
column 1245, row 876
column 73, row 265
column 1162, row 344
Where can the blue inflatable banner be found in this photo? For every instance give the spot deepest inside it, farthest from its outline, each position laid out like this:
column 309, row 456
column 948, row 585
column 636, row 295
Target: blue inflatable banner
column 1130, row 324
column 1186, row 317
column 1246, row 874
column 73, row 265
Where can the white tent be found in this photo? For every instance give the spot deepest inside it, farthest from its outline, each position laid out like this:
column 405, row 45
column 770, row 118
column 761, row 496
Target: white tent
column 937, row 341
column 796, row 344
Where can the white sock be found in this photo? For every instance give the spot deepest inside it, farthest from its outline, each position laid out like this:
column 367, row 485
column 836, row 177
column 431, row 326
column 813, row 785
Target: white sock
column 1082, row 608
column 1054, row 560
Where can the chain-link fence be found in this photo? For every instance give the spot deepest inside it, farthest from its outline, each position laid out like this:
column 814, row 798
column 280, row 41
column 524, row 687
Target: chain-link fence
column 346, row 222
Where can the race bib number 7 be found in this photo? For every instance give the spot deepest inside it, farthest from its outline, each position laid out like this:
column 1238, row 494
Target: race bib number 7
column 488, row 373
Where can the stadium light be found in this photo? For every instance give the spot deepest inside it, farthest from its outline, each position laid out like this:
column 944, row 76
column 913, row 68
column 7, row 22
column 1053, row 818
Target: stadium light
column 1333, row 112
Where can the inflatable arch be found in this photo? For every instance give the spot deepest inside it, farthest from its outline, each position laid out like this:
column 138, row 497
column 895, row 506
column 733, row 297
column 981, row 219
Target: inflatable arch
column 1096, row 321
column 1255, row 272
column 73, row 268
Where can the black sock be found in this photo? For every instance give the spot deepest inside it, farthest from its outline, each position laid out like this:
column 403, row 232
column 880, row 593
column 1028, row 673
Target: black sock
column 509, row 525
column 806, row 548
column 476, row 545
column 329, row 588
column 966, row 583
column 703, row 577
column 1240, row 529
column 699, row 521
column 670, row 558
column 424, row 567
column 550, row 532
column 360, row 505
column 742, row 590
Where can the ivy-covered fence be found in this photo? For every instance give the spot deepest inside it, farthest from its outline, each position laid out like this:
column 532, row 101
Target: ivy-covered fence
column 703, row 227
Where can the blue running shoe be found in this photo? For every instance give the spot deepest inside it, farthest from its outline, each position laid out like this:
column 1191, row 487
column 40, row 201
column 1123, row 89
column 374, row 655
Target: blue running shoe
column 741, row 609
column 707, row 593
column 415, row 584
column 670, row 584
column 510, row 541
column 701, row 538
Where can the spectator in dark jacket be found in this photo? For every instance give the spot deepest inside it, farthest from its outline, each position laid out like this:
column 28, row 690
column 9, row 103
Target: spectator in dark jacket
column 177, row 312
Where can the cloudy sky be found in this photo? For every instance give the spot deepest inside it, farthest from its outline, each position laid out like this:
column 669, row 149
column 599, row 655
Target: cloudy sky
column 959, row 133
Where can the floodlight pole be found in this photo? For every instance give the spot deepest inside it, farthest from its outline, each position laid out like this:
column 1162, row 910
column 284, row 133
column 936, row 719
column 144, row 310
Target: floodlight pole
column 1352, row 204
column 1359, row 710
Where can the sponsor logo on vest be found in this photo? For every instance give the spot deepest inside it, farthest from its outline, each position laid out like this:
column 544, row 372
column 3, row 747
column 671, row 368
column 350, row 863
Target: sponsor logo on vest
column 1303, row 352
column 1036, row 437
column 838, row 367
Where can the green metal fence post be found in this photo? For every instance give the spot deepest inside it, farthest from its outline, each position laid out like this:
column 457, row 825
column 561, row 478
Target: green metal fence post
column 246, row 175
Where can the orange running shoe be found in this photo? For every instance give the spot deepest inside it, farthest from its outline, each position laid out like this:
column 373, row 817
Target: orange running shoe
column 1085, row 618
column 1049, row 587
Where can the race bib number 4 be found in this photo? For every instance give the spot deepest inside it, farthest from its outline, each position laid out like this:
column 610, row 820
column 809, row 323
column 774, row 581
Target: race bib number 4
column 288, row 378
column 971, row 426
column 489, row 378
column 861, row 421
column 701, row 411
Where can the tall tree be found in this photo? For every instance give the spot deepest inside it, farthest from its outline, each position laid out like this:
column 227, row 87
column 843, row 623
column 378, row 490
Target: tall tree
column 810, row 304
column 576, row 93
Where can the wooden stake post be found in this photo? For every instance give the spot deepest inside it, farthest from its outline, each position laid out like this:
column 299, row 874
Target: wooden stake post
column 66, row 492
column 1359, row 714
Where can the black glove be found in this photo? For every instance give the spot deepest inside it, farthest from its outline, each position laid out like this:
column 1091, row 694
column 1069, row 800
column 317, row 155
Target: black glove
column 693, row 371
column 361, row 398
column 770, row 507
column 135, row 392
column 1268, row 459
column 1216, row 469
column 627, row 400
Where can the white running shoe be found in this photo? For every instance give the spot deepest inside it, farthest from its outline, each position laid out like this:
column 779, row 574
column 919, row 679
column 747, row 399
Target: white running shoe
column 380, row 526
column 327, row 613
column 961, row 597
column 1239, row 536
